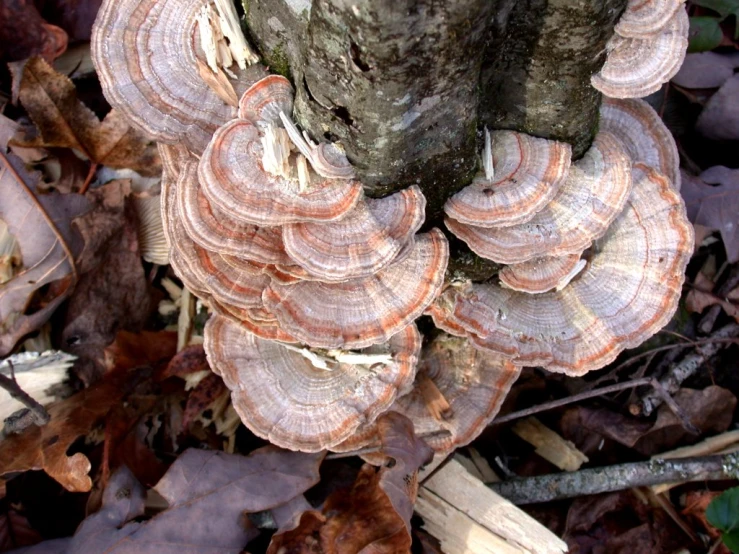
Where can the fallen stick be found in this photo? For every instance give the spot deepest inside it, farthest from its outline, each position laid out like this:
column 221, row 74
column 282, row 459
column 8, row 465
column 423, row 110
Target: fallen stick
column 558, row 486
column 679, row 372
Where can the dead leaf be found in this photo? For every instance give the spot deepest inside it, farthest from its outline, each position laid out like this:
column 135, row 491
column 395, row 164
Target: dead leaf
column 706, row 69
column 719, row 120
column 15, row 531
column 113, row 294
column 24, row 33
column 63, row 121
column 41, row 225
column 715, row 207
column 147, row 348
column 205, row 393
column 710, row 410
column 46, row 447
column 190, row 359
column 74, row 16
column 374, row 515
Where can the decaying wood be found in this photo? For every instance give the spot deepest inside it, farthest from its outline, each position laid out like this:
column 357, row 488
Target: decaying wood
column 549, row 445
column 545, row 488
column 468, row 517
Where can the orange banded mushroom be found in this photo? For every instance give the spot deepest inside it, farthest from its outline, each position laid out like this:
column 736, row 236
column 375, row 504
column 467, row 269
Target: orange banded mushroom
column 594, row 193
column 472, row 384
column 542, row 274
column 645, row 136
column 628, row 291
column 521, row 175
column 361, row 312
column 302, row 400
column 146, row 58
column 234, row 180
column 643, row 18
column 637, row 67
column 364, row 242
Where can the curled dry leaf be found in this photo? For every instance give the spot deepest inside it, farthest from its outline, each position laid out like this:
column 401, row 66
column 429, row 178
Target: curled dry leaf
column 715, row 207
column 719, row 120
column 46, row 447
column 41, row 225
column 207, row 492
column 374, row 515
column 50, row 98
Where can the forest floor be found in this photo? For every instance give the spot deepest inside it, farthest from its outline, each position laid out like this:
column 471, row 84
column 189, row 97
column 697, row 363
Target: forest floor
column 129, row 385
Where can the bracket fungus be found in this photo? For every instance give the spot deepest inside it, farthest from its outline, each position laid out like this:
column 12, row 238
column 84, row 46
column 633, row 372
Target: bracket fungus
column 591, row 197
column 458, row 389
column 643, row 18
column 636, row 67
column 641, row 130
column 521, row 175
column 147, row 57
column 301, row 400
column 542, row 274
column 314, row 288
column 361, row 312
column 627, row 292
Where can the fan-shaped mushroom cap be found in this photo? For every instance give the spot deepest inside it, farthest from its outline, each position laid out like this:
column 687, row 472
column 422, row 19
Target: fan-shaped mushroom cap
column 214, row 229
column 636, row 67
column 231, row 175
column 144, row 53
column 366, row 240
column 281, row 396
column 593, row 195
column 628, row 291
column 646, row 17
column 473, row 383
column 528, row 172
column 264, row 100
column 361, row 312
column 542, row 274
column 645, row 136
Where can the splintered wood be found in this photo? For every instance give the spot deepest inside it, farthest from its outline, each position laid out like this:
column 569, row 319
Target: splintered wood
column 469, row 518
column 549, row 445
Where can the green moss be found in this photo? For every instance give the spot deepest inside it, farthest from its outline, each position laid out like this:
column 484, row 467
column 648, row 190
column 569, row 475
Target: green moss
column 278, row 61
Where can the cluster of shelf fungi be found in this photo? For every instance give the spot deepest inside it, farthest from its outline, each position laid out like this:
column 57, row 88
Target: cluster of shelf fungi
column 314, row 288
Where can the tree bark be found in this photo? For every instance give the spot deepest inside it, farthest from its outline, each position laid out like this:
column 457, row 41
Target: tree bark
column 537, row 68
column 407, row 85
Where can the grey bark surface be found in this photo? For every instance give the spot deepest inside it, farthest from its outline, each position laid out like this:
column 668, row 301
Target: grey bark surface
column 407, row 85
column 536, row 73
column 557, row 486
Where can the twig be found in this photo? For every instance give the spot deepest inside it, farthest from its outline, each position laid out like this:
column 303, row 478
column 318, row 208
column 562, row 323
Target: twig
column 558, row 486
column 659, row 390
column 376, row 448
column 36, row 414
column 677, row 373
column 707, row 322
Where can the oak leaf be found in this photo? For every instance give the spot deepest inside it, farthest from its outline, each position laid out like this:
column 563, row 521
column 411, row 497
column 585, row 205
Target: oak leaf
column 715, row 207
column 61, row 120
column 42, row 226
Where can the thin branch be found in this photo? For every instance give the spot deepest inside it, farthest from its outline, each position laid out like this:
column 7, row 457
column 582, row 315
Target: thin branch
column 545, row 488
column 36, row 414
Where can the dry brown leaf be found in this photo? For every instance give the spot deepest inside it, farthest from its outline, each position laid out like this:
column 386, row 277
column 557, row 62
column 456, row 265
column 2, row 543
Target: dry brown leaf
column 41, row 225
column 205, row 393
column 719, row 119
column 190, row 359
column 374, row 515
column 113, row 293
column 715, row 207
column 63, row 121
column 699, row 298
column 24, row 33
column 207, row 494
column 46, row 447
